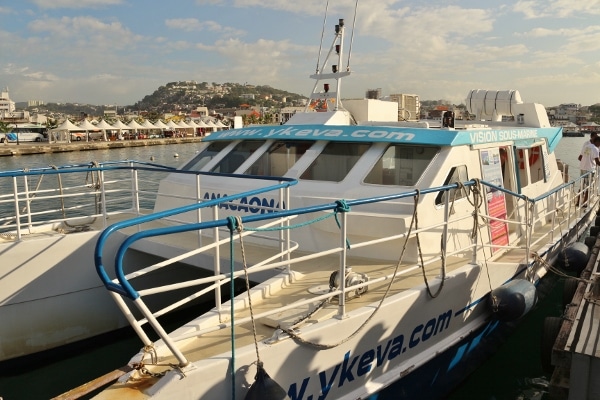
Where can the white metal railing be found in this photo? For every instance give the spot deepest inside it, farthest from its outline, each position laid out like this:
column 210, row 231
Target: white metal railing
column 121, row 286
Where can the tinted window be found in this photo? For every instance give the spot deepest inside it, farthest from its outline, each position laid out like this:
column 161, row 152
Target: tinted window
column 335, row 161
column 401, row 165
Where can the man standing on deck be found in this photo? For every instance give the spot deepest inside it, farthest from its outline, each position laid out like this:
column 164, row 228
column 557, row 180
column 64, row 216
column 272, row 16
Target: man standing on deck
column 593, row 134
column 589, row 159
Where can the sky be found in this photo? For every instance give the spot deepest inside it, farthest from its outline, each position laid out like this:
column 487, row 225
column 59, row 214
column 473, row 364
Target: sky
column 118, row 51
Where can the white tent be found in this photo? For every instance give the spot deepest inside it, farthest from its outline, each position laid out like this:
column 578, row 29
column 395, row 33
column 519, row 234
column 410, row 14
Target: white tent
column 201, row 124
column 219, row 124
column 87, row 126
column 160, row 125
column 133, row 124
column 194, row 126
column 185, row 126
column 146, row 124
column 62, row 133
column 121, row 127
column 105, row 126
column 212, row 125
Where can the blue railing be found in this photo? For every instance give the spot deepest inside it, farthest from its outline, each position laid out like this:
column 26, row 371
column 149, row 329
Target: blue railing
column 125, row 287
column 121, row 287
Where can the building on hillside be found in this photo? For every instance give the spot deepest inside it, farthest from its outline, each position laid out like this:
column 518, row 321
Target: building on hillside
column 199, row 112
column 7, row 106
column 286, row 113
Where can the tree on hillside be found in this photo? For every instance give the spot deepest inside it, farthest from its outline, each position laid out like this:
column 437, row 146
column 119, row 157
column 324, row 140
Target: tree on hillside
column 51, row 123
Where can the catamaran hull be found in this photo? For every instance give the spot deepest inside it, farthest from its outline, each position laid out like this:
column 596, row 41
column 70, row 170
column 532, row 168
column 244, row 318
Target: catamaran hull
column 50, row 295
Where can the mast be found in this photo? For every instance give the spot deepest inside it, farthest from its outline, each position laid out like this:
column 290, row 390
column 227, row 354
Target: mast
column 326, row 94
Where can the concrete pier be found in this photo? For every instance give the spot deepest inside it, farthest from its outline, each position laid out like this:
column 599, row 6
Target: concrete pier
column 576, row 352
column 30, row 148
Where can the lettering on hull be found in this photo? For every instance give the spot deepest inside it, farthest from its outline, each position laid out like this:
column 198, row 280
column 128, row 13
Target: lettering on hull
column 356, row 366
column 252, row 205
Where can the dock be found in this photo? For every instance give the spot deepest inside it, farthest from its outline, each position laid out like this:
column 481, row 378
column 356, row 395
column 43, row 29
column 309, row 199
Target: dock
column 575, row 355
column 31, row 148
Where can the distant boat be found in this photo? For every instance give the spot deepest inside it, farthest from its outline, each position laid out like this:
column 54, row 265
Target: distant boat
column 572, row 130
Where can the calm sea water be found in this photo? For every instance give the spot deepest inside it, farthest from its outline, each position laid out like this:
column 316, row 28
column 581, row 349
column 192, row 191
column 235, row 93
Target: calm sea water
column 514, row 373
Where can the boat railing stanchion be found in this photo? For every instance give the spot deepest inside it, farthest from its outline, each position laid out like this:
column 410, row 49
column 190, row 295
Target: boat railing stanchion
column 342, row 273
column 103, row 199
column 135, row 192
column 198, row 210
column 17, row 212
column 446, row 222
column 217, row 262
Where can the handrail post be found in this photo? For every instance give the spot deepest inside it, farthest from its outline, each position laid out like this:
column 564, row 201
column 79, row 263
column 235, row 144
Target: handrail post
column 446, row 222
column 135, row 190
column 476, row 192
column 17, row 212
column 217, row 263
column 528, row 230
column 199, row 210
column 342, row 272
column 103, row 199
column 288, row 233
column 27, row 202
column 161, row 332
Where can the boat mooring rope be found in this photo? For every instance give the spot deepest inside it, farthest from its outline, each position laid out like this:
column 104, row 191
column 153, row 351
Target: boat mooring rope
column 322, row 346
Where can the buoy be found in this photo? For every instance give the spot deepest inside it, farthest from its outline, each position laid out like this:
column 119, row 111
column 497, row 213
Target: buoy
column 569, row 290
column 590, row 241
column 512, row 300
column 175, row 155
column 574, row 257
column 151, row 158
column 264, row 388
column 549, row 335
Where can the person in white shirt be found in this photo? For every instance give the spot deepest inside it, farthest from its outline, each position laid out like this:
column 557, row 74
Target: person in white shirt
column 589, row 159
column 592, row 136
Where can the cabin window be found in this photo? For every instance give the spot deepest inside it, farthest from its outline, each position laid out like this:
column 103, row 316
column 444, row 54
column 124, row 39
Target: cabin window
column 457, row 174
column 278, row 160
column 335, row 161
column 205, row 156
column 240, row 153
column 401, row 165
column 530, row 159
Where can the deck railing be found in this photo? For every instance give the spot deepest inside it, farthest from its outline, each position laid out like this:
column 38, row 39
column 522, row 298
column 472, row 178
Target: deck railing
column 561, row 198
column 73, row 196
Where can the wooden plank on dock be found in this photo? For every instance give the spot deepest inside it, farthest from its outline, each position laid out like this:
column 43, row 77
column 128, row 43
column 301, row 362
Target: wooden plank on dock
column 577, row 347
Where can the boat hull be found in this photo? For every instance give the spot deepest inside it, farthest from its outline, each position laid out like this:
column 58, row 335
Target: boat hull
column 50, row 295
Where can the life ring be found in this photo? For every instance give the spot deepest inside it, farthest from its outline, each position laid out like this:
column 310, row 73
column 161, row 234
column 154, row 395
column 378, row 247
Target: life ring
column 534, row 155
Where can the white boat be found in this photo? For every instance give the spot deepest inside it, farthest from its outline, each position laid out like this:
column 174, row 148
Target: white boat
column 423, row 222
column 441, row 234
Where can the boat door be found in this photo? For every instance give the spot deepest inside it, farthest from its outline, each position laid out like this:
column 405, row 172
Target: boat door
column 498, row 169
column 509, row 182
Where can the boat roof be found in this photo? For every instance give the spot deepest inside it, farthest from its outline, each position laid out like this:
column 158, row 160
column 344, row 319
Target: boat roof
column 391, row 134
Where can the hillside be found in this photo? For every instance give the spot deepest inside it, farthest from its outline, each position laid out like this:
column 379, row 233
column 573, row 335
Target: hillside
column 185, row 96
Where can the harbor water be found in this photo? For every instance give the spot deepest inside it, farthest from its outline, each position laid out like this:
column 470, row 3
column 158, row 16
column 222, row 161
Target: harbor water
column 514, row 372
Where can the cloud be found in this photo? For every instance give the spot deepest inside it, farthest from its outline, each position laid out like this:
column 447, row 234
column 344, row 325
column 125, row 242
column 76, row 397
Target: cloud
column 532, row 9
column 196, row 25
column 85, row 32
column 73, row 4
